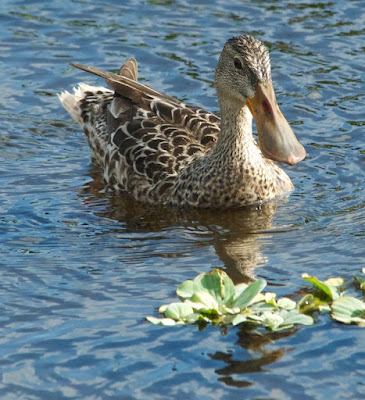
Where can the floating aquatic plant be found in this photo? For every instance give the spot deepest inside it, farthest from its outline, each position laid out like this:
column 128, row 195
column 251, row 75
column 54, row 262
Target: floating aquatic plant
column 343, row 308
column 213, row 298
column 361, row 281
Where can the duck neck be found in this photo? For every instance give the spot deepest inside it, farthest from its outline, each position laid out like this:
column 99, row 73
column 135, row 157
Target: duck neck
column 235, row 141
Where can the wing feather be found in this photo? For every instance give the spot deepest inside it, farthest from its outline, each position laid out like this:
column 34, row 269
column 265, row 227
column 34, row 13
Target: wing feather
column 155, row 135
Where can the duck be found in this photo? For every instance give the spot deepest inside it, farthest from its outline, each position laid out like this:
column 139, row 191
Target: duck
column 164, row 152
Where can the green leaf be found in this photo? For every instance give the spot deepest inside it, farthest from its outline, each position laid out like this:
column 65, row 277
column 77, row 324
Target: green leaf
column 286, row 303
column 161, row 321
column 226, row 319
column 205, row 299
column 211, row 312
column 305, row 302
column 284, row 319
column 334, row 281
column 310, row 303
column 294, row 317
column 349, row 310
column 239, row 319
column 261, row 307
column 178, row 311
column 255, row 318
column 192, row 318
column 228, row 291
column 331, row 291
column 218, row 284
column 195, row 305
column 227, row 310
column 239, row 289
column 270, row 298
column 162, row 309
column 186, row 289
column 272, row 320
column 361, row 282
column 248, row 295
column 324, row 308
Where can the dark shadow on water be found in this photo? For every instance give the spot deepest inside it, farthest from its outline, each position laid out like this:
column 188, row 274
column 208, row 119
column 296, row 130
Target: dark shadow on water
column 253, row 342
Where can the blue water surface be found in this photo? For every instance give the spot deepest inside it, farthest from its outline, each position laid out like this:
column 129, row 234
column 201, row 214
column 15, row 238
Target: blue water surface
column 80, row 269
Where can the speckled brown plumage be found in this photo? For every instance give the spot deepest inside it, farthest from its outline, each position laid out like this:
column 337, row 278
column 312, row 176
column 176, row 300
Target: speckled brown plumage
column 163, row 151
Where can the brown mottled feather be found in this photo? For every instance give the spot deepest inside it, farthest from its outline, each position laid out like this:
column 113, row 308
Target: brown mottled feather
column 163, row 151
column 154, row 135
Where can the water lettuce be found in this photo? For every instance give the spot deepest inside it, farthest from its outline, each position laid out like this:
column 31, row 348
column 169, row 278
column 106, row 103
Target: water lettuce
column 213, row 298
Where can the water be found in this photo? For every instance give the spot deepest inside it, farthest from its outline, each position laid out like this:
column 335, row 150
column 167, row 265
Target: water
column 80, row 269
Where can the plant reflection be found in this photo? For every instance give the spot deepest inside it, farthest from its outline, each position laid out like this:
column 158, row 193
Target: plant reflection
column 254, row 343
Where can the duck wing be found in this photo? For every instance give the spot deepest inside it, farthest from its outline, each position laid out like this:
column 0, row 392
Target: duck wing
column 152, row 136
column 198, row 123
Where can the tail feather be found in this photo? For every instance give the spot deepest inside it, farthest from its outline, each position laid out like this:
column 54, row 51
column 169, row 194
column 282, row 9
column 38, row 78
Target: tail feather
column 74, row 103
column 70, row 103
column 130, row 69
column 88, row 106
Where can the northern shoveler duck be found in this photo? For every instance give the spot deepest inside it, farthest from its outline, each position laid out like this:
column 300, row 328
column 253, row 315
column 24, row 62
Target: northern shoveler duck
column 163, row 151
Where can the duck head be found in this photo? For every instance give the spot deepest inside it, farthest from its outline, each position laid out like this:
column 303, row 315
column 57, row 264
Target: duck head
column 243, row 74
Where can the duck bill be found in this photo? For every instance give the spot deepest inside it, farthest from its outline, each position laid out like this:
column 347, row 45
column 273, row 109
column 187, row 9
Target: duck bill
column 276, row 138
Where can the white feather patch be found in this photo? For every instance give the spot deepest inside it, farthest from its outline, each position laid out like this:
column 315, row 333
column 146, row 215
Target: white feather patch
column 71, row 102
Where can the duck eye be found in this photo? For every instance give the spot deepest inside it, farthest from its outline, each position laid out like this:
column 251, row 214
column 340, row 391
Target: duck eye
column 237, row 63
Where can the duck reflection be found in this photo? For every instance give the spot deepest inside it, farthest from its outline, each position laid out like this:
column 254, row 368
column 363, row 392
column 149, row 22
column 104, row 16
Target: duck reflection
column 236, row 234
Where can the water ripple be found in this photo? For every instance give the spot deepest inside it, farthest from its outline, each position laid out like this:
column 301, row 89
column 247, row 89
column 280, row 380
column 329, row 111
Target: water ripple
column 81, row 269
